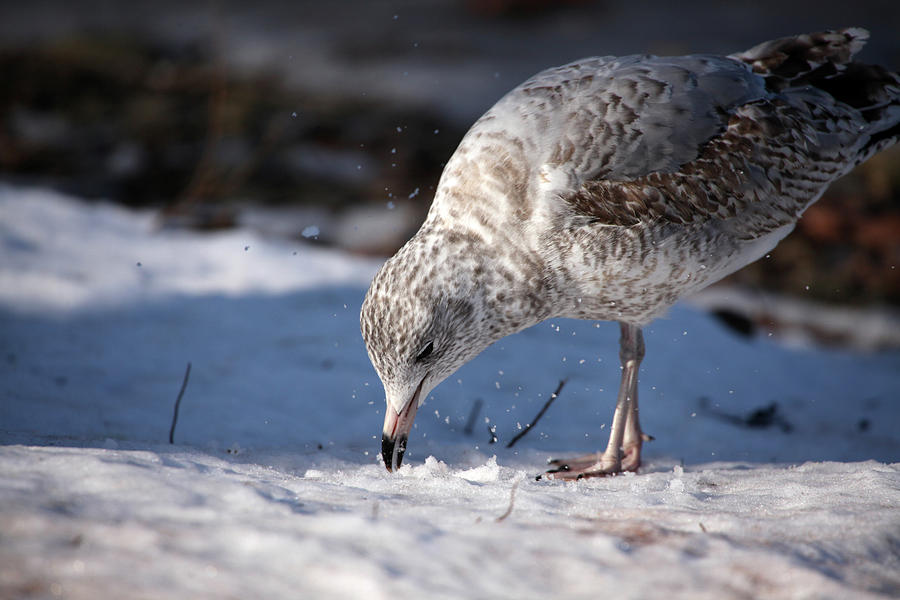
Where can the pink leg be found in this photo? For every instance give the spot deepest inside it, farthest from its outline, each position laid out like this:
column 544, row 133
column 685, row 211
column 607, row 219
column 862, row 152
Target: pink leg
column 623, row 452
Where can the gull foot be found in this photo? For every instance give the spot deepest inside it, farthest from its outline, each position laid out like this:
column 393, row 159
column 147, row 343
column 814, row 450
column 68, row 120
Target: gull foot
column 589, row 465
column 631, row 457
column 599, row 464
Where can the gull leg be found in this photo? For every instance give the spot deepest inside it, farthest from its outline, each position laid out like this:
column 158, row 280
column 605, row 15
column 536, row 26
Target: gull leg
column 623, row 452
column 631, row 352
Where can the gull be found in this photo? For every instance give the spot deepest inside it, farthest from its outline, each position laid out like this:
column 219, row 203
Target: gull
column 607, row 189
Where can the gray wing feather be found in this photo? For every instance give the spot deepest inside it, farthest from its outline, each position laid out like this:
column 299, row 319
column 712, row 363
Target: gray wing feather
column 620, row 119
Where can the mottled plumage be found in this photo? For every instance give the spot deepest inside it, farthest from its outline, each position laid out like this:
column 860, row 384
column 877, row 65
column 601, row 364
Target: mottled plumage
column 608, row 189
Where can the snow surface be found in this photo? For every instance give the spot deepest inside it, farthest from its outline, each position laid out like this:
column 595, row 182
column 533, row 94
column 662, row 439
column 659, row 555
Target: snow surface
column 274, row 487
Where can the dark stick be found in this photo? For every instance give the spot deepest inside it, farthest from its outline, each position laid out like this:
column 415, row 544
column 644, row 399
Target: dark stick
column 540, row 414
column 187, row 373
column 470, row 424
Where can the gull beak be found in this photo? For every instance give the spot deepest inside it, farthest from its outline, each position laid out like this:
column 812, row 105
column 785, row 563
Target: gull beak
column 396, row 430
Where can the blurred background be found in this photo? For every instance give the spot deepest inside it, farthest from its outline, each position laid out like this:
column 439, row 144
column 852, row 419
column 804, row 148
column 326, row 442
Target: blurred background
column 331, row 121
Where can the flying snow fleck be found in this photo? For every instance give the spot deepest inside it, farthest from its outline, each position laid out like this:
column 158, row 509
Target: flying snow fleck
column 311, row 231
column 414, row 193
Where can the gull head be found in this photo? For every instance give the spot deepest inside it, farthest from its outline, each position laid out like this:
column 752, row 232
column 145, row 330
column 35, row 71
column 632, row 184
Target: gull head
column 421, row 320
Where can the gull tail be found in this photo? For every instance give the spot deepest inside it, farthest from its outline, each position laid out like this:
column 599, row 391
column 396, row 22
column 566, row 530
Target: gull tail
column 824, row 61
column 792, row 57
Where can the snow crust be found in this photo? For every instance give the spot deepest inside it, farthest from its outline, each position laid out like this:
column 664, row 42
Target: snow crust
column 274, row 487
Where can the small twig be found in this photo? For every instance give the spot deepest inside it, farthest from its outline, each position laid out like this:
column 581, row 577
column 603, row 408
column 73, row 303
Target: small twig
column 473, row 415
column 540, row 414
column 512, row 501
column 187, row 374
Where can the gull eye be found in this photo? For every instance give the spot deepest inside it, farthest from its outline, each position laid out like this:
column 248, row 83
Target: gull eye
column 425, row 352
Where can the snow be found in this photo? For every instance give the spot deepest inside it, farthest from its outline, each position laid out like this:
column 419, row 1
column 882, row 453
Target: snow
column 801, row 323
column 274, row 487
column 63, row 256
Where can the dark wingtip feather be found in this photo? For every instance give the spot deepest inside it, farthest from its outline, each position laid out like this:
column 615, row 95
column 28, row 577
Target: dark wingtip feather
column 789, row 57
